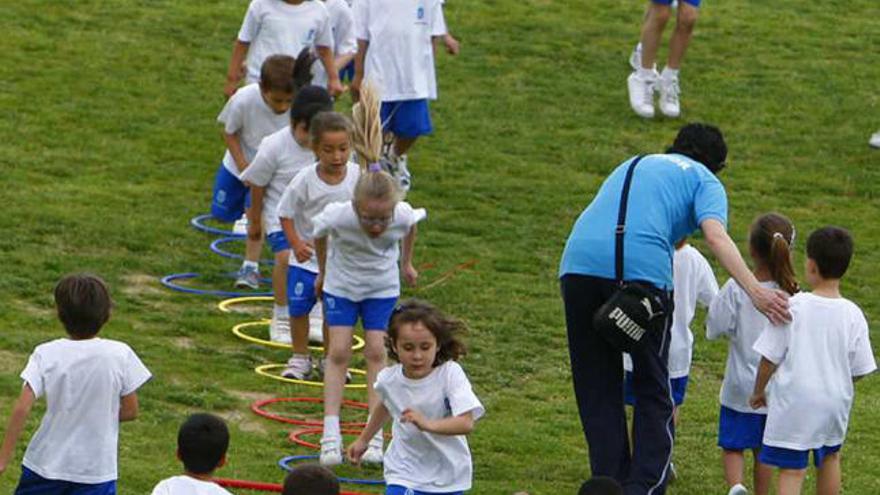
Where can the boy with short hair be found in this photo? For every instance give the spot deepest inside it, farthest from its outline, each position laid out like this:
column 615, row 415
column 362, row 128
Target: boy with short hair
column 90, row 386
column 813, row 362
column 202, row 442
column 311, row 479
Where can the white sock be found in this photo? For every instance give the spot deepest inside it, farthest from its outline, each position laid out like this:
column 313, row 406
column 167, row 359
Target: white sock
column 639, row 47
column 647, row 73
column 251, row 264
column 280, row 312
column 669, row 73
column 331, row 427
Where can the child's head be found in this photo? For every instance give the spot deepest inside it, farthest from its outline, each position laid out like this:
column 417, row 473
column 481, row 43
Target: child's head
column 83, row 304
column 421, row 337
column 770, row 241
column 703, row 143
column 330, row 135
column 309, row 101
column 375, row 196
column 311, row 479
column 202, row 442
column 829, row 251
column 281, row 76
column 601, row 485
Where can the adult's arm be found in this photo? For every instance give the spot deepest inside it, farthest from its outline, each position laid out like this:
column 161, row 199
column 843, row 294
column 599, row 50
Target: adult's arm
column 771, row 302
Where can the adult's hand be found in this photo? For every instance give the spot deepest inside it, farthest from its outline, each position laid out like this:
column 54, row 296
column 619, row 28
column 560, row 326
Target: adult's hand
column 773, row 303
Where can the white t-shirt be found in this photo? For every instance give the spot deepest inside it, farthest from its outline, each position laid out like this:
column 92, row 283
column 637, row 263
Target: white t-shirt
column 247, row 114
column 83, row 382
column 344, row 41
column 694, row 282
column 420, row 460
column 275, row 27
column 400, row 58
column 306, row 196
column 185, row 485
column 358, row 266
column 733, row 314
column 279, row 158
column 817, row 354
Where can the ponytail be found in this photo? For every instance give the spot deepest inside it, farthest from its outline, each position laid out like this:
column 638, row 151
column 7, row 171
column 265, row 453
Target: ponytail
column 780, row 264
column 302, row 69
column 368, row 127
column 771, row 238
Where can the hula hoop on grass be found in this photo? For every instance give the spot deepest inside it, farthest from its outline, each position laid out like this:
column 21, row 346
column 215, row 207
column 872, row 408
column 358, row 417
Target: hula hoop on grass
column 215, row 248
column 262, row 487
column 238, row 332
column 264, row 371
column 286, row 461
column 169, row 281
column 257, row 408
column 296, row 436
column 226, row 303
column 198, row 222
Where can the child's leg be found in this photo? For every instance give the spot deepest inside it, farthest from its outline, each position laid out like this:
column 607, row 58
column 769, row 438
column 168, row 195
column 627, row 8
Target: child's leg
column 338, row 356
column 763, row 475
column 376, row 316
column 403, row 144
column 279, row 277
column 300, row 292
column 681, row 37
column 828, row 479
column 791, row 481
column 734, row 464
column 652, row 32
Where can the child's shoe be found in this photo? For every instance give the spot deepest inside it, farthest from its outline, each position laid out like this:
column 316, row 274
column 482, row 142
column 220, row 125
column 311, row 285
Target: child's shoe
column 248, row 278
column 240, row 226
column 669, row 91
column 875, row 140
column 279, row 330
column 331, row 451
column 635, row 58
column 374, row 455
column 738, row 489
column 640, row 85
column 299, row 367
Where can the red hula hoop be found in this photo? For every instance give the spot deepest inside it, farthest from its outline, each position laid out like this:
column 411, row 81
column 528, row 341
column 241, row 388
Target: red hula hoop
column 262, row 487
column 257, row 408
column 295, row 436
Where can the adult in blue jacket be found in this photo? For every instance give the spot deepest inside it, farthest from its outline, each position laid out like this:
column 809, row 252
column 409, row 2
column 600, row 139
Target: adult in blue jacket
column 671, row 196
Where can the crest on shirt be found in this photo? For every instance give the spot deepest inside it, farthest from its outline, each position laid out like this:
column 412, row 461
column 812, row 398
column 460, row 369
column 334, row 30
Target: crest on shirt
column 311, row 36
column 448, row 406
column 420, row 13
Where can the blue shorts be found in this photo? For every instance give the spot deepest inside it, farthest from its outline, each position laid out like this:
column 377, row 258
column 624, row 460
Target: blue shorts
column 407, row 118
column 230, row 198
column 347, row 72
column 300, row 291
column 278, row 241
column 375, row 313
column 32, row 483
column 794, row 459
column 678, row 385
column 739, row 430
column 695, row 3
column 402, row 490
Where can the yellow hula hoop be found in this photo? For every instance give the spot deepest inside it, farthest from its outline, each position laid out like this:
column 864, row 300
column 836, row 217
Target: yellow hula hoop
column 225, row 304
column 264, row 371
column 238, row 331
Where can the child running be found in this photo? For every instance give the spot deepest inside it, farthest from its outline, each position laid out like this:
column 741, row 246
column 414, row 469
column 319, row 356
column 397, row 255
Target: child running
column 431, row 401
column 253, row 113
column 813, row 363
column 202, row 442
column 344, row 41
column 332, row 179
column 281, row 27
column 280, row 157
column 90, row 385
column 732, row 314
column 362, row 245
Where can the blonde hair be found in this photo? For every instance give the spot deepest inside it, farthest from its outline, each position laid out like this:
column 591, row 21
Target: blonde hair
column 374, row 183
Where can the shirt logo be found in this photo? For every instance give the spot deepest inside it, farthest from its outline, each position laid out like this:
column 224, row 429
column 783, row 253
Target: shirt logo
column 311, row 36
column 420, row 13
column 682, row 164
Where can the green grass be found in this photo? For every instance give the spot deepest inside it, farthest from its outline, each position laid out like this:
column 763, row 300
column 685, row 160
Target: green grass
column 109, row 146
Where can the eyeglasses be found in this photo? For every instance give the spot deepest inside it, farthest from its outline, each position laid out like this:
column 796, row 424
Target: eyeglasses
column 380, row 221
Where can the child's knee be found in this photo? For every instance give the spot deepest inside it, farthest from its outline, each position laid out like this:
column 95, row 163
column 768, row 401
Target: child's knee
column 687, row 18
column 659, row 14
column 282, row 258
column 339, row 354
column 374, row 353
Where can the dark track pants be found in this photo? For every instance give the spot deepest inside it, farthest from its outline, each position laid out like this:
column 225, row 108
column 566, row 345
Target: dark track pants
column 597, row 373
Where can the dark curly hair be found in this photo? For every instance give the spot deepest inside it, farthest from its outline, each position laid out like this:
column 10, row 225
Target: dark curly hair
column 703, row 143
column 445, row 329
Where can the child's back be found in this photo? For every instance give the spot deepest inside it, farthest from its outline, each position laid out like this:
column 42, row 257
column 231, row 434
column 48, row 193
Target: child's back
column 185, row 485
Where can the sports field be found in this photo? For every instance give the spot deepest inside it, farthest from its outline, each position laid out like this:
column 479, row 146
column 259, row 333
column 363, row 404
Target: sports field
column 108, row 146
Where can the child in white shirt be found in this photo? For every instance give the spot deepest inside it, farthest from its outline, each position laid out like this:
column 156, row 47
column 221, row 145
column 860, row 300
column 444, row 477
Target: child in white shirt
column 281, row 27
column 344, row 41
column 330, row 180
column 813, row 362
column 280, row 157
column 431, row 402
column 202, row 442
column 733, row 315
column 90, row 385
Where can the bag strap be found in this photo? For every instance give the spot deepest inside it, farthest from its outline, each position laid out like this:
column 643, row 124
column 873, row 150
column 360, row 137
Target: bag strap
column 621, row 220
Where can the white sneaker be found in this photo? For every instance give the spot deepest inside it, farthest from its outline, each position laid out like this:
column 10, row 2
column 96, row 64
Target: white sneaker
column 738, row 489
column 373, row 455
column 316, row 325
column 641, row 93
column 669, row 92
column 635, row 58
column 404, row 178
column 240, row 227
column 875, row 140
column 331, row 451
column 299, row 367
column 279, row 330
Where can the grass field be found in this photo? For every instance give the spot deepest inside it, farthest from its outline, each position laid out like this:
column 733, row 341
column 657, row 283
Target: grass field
column 108, row 145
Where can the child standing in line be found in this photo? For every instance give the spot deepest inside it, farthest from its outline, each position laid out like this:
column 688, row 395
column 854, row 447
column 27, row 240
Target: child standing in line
column 431, row 402
column 330, row 180
column 253, row 113
column 202, row 442
column 311, row 479
column 732, row 314
column 396, row 52
column 813, row 363
column 694, row 282
column 344, row 41
column 285, row 27
column 280, row 157
column 90, row 385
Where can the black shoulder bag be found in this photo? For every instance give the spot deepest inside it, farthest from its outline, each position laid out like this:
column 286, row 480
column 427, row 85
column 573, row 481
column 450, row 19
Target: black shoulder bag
column 634, row 308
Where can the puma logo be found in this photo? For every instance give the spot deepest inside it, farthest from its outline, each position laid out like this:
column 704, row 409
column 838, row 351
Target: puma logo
column 647, row 304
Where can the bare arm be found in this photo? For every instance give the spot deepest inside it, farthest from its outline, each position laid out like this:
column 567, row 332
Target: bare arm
column 128, row 407
column 759, row 396
column 233, row 144
column 410, row 274
column 452, row 425
column 17, row 419
column 301, row 249
column 343, row 60
column 772, row 303
column 255, row 213
column 378, row 417
column 321, row 253
column 334, row 87
column 359, row 60
column 233, row 74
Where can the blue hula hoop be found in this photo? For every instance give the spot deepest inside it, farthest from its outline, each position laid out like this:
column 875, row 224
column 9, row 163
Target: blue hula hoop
column 215, row 248
column 168, row 281
column 283, row 463
column 198, row 222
